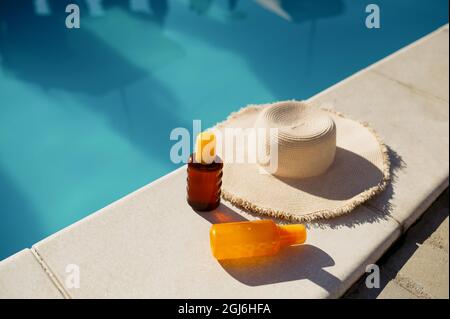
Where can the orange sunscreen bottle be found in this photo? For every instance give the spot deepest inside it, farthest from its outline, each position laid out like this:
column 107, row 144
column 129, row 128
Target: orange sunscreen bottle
column 204, row 174
column 253, row 238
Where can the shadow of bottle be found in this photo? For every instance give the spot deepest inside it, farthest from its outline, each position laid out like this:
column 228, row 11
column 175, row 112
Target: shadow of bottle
column 292, row 263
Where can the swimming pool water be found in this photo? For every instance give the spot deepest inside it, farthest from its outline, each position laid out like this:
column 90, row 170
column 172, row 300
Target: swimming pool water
column 85, row 114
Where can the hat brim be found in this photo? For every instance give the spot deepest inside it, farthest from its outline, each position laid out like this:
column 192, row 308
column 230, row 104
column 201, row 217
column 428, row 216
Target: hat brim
column 360, row 170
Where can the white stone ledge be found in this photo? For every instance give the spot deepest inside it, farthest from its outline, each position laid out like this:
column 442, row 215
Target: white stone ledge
column 151, row 244
column 21, row 276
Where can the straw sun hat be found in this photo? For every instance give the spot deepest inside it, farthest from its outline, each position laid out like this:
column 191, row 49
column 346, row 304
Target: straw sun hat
column 327, row 164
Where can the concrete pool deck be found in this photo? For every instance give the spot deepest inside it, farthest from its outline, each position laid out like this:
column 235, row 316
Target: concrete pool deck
column 416, row 266
column 151, row 244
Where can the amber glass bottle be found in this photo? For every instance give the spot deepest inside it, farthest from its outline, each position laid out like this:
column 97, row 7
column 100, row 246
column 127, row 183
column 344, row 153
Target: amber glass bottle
column 204, row 174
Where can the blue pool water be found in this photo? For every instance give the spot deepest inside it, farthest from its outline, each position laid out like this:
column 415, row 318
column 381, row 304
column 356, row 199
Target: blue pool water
column 85, row 115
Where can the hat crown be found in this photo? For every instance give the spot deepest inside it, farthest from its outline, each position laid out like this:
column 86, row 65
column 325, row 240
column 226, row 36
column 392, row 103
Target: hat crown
column 305, row 138
column 359, row 169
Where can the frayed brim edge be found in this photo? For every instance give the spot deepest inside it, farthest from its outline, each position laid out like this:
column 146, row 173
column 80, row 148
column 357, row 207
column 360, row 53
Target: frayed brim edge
column 317, row 215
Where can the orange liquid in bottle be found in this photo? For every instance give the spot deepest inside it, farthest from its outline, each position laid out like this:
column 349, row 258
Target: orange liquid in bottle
column 204, row 183
column 253, row 238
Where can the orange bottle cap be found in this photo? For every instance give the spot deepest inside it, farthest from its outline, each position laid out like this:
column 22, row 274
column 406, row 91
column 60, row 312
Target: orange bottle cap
column 205, row 148
column 292, row 234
